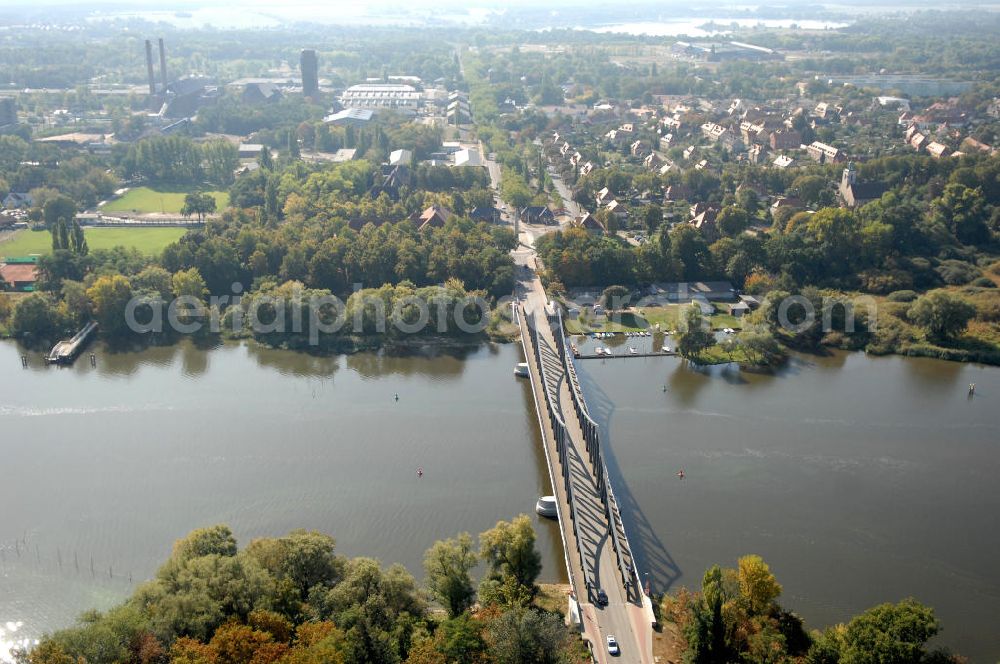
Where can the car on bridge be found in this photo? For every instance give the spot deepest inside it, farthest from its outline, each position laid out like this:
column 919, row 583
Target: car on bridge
column 602, row 597
column 613, row 648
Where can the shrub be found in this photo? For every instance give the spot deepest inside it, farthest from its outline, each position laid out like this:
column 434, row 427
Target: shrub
column 956, row 273
column 885, row 281
column 902, row 296
column 983, row 282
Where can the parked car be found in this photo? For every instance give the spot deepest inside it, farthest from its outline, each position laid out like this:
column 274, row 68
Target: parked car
column 613, row 646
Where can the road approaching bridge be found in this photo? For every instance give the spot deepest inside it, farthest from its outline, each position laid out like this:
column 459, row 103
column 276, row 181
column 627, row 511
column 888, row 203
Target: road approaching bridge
column 597, row 552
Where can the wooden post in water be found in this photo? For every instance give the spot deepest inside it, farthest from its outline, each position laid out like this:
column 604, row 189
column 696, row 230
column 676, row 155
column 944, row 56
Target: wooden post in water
column 93, row 360
column 24, row 361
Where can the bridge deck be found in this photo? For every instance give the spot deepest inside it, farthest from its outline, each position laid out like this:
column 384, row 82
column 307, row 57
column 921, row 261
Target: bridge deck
column 588, row 538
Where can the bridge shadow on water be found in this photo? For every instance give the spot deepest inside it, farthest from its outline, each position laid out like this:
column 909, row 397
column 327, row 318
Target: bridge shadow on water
column 651, row 554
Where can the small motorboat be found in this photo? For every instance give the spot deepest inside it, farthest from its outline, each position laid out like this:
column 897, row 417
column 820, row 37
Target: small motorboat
column 632, row 351
column 546, row 506
column 680, row 474
column 666, row 349
column 521, row 370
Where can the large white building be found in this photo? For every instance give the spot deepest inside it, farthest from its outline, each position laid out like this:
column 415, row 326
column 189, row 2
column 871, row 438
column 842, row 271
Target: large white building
column 381, row 95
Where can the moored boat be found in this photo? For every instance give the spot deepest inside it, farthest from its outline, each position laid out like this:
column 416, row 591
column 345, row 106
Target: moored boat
column 546, row 506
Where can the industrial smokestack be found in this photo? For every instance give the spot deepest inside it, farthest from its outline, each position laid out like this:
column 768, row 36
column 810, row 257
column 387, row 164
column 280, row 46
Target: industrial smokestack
column 163, row 64
column 149, row 67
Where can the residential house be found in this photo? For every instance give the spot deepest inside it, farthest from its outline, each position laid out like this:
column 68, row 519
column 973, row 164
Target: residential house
column 486, row 214
column 786, row 202
column 434, row 216
column 786, row 139
column 400, row 157
column 738, row 309
column 938, row 150
column 537, row 214
column 969, row 144
column 824, row 153
column 590, row 223
column 604, row 196
column 19, row 274
column 18, row 200
column 618, row 210
column 703, row 218
column 783, row 161
column 653, row 161
column 713, row 131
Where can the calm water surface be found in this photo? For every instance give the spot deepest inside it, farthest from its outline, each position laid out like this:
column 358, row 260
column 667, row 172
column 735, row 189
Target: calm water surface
column 112, row 464
column 859, row 479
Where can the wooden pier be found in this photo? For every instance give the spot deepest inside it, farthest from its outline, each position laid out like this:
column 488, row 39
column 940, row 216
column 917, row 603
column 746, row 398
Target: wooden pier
column 67, row 350
column 624, row 356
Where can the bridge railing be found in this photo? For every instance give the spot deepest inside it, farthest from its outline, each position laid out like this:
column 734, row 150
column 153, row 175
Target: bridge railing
column 527, row 323
column 591, row 435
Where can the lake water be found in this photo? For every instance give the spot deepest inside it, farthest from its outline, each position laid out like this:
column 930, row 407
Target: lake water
column 114, row 463
column 696, row 27
column 860, row 480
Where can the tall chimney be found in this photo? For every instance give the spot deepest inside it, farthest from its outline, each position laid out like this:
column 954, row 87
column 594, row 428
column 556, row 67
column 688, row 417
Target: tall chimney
column 149, row 67
column 163, row 64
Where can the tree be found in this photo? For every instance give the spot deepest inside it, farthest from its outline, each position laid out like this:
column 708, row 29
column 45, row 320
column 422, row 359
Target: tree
column 757, row 584
column 690, row 252
column 221, row 161
column 509, row 549
column 810, row 188
column 56, row 208
column 213, row 541
column 526, row 635
column 460, row 639
column 154, row 280
column 652, row 217
column 74, row 295
column 110, row 296
column 36, row 318
column 265, row 160
column 448, row 563
column 732, row 221
column 190, row 284
column 758, row 343
column 941, row 314
column 614, row 296
column 694, row 337
column 889, row 634
column 963, row 211
column 199, row 204
column 78, row 241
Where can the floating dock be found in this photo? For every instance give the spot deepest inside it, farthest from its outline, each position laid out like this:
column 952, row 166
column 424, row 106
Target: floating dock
column 66, row 350
column 622, row 356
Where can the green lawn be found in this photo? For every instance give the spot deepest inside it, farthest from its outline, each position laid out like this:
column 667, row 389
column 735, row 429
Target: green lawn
column 143, row 200
column 149, row 241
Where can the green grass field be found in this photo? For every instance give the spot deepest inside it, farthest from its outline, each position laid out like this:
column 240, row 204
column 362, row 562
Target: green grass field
column 149, row 241
column 144, row 200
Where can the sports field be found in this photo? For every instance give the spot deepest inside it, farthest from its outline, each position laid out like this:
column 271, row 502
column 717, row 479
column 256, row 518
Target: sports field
column 149, row 241
column 145, row 200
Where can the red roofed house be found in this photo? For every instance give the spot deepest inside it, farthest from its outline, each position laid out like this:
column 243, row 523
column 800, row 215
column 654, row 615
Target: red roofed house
column 18, row 276
column 433, row 217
